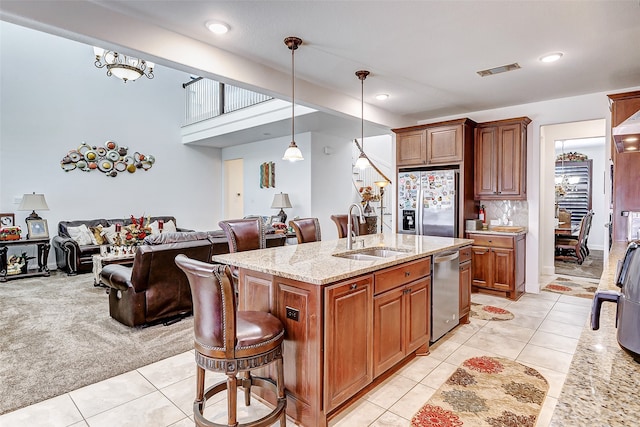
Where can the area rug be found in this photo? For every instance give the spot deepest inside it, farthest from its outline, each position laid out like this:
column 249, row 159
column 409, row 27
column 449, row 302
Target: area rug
column 57, row 336
column 573, row 287
column 486, row 391
column 489, row 312
column 591, row 267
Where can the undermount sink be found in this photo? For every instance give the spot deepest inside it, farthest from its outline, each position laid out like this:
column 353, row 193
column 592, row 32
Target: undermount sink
column 369, row 254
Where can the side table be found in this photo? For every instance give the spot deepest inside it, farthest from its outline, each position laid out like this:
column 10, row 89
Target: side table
column 43, row 254
column 100, row 261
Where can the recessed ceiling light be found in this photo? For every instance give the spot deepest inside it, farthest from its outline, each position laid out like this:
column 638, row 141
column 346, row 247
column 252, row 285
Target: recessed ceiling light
column 382, row 96
column 217, row 27
column 552, row 57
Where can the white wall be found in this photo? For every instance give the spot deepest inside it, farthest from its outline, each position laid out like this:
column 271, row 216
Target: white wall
column 48, row 109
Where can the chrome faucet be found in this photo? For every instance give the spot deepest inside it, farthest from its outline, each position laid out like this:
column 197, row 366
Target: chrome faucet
column 350, row 232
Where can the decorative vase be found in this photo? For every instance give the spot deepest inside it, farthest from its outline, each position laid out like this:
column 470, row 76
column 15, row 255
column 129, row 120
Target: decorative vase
column 369, row 210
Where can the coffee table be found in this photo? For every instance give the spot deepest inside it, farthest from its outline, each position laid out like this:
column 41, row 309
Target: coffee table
column 100, row 261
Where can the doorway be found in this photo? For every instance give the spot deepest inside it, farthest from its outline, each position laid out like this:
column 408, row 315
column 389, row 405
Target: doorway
column 588, row 138
column 233, row 188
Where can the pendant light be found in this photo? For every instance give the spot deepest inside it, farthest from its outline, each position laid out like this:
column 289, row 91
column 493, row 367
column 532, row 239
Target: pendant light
column 293, row 153
column 363, row 161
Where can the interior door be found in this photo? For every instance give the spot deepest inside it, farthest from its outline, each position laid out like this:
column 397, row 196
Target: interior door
column 233, row 188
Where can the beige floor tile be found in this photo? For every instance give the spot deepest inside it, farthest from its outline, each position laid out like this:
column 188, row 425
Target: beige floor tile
column 541, row 295
column 217, row 411
column 81, row 424
column 104, row 395
column 463, row 332
column 490, row 300
column 185, row 422
column 576, row 300
column 152, row 410
column 361, row 413
column 170, row 370
column 566, row 330
column 546, row 413
column 443, row 349
column 578, row 310
column 56, row 412
column 389, row 419
column 412, row 401
column 507, row 330
column 390, row 391
column 526, row 321
column 567, row 318
column 439, row 375
column 545, row 357
column 554, row 341
column 419, row 367
column 499, row 344
column 183, row 393
column 534, row 303
column 536, row 309
column 466, row 352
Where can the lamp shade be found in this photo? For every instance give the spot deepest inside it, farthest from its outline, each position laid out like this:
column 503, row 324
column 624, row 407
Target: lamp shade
column 280, row 200
column 32, row 202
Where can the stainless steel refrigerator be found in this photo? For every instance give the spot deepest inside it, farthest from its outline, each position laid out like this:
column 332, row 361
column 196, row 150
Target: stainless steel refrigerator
column 428, row 202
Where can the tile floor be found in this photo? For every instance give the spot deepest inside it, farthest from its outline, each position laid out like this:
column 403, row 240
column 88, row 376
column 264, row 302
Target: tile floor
column 544, row 335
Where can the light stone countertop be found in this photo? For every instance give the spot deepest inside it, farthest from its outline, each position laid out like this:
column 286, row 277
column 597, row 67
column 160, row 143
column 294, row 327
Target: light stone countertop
column 504, row 233
column 603, row 383
column 314, row 262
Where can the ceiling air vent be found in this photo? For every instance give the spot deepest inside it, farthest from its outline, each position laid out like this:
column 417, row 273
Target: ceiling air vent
column 498, row 70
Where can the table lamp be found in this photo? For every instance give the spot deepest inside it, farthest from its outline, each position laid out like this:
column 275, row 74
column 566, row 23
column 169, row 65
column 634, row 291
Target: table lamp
column 280, row 201
column 31, row 202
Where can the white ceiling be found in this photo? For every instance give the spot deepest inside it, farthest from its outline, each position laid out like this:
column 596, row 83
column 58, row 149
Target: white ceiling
column 424, row 54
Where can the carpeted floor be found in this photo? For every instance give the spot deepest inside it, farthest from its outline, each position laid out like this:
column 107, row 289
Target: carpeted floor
column 57, row 336
column 591, row 267
column 486, row 391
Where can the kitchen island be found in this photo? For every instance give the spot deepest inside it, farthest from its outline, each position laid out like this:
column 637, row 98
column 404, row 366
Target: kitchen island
column 348, row 321
column 602, row 384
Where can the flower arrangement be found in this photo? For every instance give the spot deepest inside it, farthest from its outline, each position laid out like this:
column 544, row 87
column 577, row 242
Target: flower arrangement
column 367, row 195
column 135, row 233
column 10, row 233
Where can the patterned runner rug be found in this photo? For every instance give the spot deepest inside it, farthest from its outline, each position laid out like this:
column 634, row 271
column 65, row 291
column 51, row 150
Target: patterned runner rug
column 489, row 312
column 486, row 391
column 576, row 288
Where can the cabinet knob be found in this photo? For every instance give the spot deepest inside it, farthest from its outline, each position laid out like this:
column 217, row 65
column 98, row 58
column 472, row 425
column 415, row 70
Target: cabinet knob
column 354, row 286
column 407, row 274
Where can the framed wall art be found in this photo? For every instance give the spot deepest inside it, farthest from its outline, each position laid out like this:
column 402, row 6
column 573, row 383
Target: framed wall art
column 37, row 229
column 7, row 220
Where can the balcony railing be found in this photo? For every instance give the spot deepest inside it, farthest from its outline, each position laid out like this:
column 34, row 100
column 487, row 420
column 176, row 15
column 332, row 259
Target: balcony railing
column 205, row 99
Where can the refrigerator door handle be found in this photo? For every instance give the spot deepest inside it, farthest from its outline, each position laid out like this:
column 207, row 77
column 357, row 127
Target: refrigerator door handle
column 419, row 216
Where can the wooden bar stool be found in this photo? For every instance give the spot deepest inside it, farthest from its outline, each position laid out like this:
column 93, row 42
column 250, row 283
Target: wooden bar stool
column 232, row 342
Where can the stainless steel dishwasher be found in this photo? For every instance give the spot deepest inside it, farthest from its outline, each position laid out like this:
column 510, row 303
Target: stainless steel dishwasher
column 445, row 293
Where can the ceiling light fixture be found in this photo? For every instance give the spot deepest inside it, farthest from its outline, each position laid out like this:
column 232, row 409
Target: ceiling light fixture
column 122, row 66
column 363, row 161
column 498, row 70
column 552, row 57
column 293, row 153
column 382, row 97
column 217, row 27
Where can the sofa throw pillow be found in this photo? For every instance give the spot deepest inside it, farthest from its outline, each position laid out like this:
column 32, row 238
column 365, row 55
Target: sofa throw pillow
column 155, row 228
column 109, row 234
column 81, row 235
column 97, row 234
column 169, row 227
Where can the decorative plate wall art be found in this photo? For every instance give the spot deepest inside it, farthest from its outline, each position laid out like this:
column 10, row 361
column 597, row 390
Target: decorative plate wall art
column 109, row 159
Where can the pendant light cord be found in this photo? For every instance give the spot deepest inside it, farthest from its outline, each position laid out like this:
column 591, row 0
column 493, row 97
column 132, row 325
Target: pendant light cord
column 362, row 113
column 293, row 93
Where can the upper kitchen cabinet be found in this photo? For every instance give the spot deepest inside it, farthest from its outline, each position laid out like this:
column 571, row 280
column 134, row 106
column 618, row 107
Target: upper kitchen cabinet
column 442, row 143
column 501, row 160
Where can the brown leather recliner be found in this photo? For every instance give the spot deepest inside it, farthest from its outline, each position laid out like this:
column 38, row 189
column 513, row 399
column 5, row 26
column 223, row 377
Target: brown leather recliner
column 154, row 288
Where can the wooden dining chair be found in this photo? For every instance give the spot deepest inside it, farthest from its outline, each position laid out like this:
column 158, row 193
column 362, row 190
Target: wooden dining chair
column 574, row 248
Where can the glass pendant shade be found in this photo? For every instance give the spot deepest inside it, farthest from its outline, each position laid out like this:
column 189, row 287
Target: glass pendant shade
column 362, row 162
column 293, row 153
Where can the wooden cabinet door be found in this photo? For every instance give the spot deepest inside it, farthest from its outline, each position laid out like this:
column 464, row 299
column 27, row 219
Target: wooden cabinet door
column 510, row 161
column 482, row 266
column 389, row 329
column 348, row 352
column 486, row 171
column 503, row 269
column 411, row 148
column 465, row 290
column 444, row 145
column 418, row 313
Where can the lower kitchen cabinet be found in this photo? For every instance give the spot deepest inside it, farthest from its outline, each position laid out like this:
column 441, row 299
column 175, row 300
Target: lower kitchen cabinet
column 348, row 339
column 401, row 323
column 465, row 284
column 498, row 263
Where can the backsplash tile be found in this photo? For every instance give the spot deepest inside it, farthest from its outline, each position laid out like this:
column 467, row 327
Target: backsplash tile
column 516, row 211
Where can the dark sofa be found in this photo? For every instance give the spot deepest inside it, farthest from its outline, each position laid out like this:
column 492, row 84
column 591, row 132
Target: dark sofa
column 154, row 289
column 74, row 258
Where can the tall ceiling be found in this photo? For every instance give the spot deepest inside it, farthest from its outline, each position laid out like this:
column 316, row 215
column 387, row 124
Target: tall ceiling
column 424, row 54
